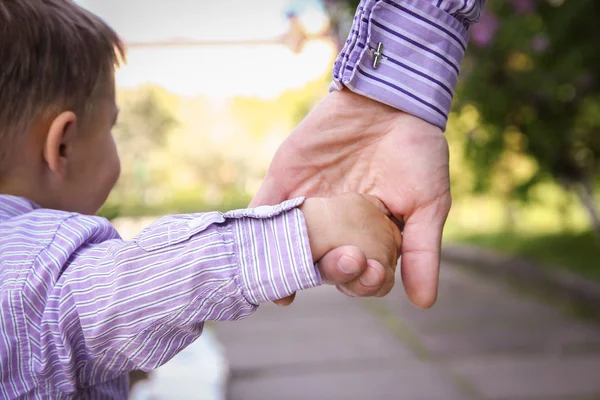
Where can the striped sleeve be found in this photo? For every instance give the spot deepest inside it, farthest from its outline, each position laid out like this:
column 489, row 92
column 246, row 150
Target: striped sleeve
column 421, row 46
column 119, row 306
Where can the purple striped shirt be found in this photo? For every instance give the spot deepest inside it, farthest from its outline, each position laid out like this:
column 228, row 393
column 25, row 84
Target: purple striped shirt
column 424, row 42
column 80, row 307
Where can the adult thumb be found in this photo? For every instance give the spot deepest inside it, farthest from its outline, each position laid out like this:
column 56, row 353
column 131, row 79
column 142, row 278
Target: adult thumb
column 270, row 193
column 421, row 253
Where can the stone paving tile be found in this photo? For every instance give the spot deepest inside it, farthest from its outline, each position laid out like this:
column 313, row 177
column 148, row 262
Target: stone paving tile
column 481, row 336
column 469, row 300
column 478, row 319
column 280, row 339
column 512, row 339
column 311, row 341
column 414, row 381
column 542, row 377
column 472, row 312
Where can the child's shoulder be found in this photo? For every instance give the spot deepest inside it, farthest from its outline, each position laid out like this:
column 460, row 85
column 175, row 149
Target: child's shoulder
column 45, row 226
column 45, row 238
column 44, row 222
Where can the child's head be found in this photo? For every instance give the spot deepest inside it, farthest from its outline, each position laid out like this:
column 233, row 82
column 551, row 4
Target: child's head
column 57, row 104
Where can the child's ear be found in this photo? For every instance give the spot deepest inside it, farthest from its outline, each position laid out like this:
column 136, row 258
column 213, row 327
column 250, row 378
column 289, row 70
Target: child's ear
column 59, row 142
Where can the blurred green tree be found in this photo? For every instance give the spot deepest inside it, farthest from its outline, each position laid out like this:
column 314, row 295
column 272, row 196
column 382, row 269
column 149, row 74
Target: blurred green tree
column 532, row 74
column 143, row 126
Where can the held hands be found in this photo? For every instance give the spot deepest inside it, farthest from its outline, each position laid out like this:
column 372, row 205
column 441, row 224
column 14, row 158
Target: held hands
column 355, row 220
column 350, row 143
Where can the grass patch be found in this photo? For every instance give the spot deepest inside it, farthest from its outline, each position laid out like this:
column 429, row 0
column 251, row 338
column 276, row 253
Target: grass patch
column 577, row 252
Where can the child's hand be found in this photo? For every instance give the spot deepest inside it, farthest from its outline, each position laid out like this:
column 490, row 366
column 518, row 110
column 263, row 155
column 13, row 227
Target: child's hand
column 352, row 220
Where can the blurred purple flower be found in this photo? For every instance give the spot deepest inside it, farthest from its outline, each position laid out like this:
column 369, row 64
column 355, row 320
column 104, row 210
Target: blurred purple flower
column 482, row 33
column 523, row 6
column 540, row 43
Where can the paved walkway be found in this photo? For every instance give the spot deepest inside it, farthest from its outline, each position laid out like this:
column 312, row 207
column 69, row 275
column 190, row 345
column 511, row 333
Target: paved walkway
column 482, row 340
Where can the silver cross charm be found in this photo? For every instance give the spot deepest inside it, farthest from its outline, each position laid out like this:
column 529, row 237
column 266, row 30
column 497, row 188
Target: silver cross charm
column 377, row 55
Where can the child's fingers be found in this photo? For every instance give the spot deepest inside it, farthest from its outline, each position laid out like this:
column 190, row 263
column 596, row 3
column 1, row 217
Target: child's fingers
column 286, row 301
column 342, row 265
column 398, row 237
column 390, row 281
column 377, row 203
column 369, row 283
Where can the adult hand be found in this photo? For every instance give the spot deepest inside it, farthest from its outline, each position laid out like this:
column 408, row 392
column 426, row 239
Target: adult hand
column 350, row 143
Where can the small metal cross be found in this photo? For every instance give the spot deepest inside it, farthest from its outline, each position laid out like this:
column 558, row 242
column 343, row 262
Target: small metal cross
column 377, row 55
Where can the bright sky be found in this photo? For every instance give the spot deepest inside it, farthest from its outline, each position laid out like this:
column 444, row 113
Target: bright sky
column 222, row 71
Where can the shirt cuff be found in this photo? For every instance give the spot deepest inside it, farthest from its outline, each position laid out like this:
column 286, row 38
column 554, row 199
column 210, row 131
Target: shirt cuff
column 273, row 249
column 422, row 50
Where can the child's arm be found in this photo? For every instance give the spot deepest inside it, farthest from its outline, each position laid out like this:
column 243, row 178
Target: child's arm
column 119, row 306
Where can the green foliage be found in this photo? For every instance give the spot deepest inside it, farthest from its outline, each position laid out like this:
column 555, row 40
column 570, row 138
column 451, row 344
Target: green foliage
column 575, row 251
column 351, row 4
column 144, row 124
column 193, row 154
column 532, row 74
column 143, row 127
column 110, row 211
column 261, row 116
